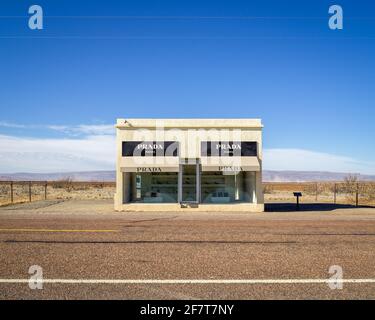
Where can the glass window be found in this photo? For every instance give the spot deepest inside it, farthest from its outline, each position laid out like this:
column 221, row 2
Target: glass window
column 154, row 187
column 219, row 187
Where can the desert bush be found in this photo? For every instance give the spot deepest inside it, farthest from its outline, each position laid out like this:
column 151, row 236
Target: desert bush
column 4, row 189
column 267, row 189
column 316, row 188
column 66, row 184
column 4, row 193
column 350, row 184
column 81, row 186
column 367, row 191
column 309, row 188
column 350, row 187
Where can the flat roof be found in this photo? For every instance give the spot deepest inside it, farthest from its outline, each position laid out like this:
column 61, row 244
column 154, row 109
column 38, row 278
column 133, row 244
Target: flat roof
column 188, row 123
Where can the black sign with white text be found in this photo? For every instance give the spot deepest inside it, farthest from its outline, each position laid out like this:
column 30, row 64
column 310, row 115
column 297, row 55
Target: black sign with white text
column 150, row 148
column 229, row 148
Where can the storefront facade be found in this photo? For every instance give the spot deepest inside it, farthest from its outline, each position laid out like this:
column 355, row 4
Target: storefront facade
column 189, row 164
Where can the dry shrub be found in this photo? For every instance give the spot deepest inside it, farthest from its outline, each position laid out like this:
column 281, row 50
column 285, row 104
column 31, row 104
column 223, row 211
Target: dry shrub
column 367, row 191
column 350, row 184
column 310, row 188
column 66, row 184
column 80, row 186
column 326, row 188
column 4, row 193
column 267, row 188
column 96, row 185
column 4, row 189
column 350, row 187
column 316, row 188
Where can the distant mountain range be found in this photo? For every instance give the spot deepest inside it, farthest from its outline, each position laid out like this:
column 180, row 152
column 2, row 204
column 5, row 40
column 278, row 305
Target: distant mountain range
column 303, row 176
column 107, row 176
column 74, row 176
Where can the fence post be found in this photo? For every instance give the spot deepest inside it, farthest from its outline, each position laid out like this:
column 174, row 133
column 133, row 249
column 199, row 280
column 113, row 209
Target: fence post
column 334, row 193
column 356, row 195
column 45, row 191
column 29, row 191
column 11, row 192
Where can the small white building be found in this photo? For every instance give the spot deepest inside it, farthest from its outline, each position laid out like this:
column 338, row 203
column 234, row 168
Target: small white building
column 189, row 164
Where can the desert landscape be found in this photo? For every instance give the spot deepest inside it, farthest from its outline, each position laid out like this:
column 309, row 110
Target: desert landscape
column 351, row 191
column 27, row 191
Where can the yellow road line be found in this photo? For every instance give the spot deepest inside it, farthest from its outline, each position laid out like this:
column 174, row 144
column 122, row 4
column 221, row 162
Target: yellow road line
column 54, row 230
column 191, row 281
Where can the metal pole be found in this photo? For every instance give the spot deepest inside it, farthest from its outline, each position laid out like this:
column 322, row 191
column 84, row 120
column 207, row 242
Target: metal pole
column 334, row 193
column 30, row 191
column 180, row 177
column 11, row 192
column 197, row 183
column 297, row 203
column 356, row 195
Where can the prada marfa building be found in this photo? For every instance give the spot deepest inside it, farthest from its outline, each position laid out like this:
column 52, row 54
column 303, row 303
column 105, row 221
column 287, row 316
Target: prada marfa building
column 189, row 164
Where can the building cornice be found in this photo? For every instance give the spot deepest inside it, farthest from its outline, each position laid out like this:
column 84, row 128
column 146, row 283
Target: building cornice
column 189, row 123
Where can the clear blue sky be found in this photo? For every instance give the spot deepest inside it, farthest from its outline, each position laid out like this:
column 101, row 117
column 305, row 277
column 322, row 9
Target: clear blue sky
column 95, row 61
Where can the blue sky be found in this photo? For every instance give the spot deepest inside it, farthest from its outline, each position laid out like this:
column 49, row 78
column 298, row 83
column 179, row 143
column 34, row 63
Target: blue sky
column 63, row 87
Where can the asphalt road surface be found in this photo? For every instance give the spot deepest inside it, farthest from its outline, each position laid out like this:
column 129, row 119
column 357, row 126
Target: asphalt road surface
column 88, row 251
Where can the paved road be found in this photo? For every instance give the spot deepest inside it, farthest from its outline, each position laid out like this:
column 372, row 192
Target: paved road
column 88, row 240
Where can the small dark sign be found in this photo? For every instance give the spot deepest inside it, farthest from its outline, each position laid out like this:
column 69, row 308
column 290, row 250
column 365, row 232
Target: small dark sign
column 229, row 148
column 150, row 148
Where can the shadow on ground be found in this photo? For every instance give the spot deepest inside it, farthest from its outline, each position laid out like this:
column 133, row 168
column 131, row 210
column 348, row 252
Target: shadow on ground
column 149, row 242
column 289, row 207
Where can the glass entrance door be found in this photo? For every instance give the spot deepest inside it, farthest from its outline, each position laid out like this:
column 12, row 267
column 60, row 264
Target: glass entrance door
column 189, row 184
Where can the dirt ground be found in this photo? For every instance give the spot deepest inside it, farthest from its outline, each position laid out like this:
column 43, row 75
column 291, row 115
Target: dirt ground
column 56, row 191
column 278, row 192
column 87, row 240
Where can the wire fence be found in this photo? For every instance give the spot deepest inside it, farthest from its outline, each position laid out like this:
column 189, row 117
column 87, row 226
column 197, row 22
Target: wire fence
column 348, row 192
column 28, row 191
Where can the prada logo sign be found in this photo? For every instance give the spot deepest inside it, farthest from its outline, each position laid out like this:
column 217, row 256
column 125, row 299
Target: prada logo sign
column 229, row 149
column 150, row 148
column 230, row 168
column 148, row 169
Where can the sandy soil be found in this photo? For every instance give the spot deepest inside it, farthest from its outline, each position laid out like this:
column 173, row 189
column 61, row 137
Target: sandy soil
column 93, row 191
column 81, row 191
